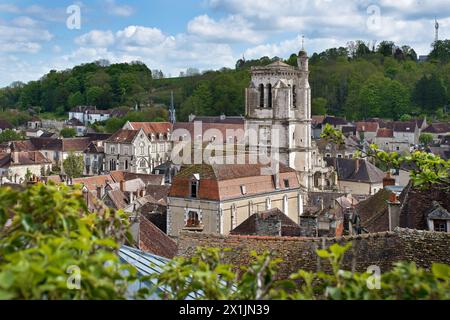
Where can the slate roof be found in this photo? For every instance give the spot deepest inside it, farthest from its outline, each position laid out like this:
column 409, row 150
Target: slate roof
column 405, row 126
column 123, row 136
column 249, row 226
column 438, row 212
column 437, row 128
column 93, row 147
column 118, row 198
column 335, row 120
column 358, row 170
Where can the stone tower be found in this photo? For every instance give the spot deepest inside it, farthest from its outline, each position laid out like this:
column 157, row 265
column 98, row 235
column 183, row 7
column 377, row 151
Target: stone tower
column 279, row 100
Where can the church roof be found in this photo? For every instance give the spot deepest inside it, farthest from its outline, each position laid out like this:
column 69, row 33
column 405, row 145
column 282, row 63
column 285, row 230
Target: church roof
column 278, row 64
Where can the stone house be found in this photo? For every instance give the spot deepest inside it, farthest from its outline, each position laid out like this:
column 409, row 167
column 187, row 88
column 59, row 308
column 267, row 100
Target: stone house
column 405, row 131
column 77, row 125
column 386, row 141
column 159, row 135
column 357, row 176
column 438, row 130
column 94, row 158
column 217, row 198
column 128, row 150
column 16, row 165
column 366, row 130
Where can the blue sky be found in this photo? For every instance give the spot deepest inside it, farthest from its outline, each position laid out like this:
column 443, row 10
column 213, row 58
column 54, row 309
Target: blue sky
column 206, row 34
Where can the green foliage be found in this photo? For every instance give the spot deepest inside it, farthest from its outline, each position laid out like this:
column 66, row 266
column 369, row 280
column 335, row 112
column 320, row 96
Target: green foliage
column 318, row 106
column 51, row 236
column 74, row 165
column 68, row 132
column 427, row 169
column 426, row 138
column 10, row 135
column 152, row 114
column 204, row 275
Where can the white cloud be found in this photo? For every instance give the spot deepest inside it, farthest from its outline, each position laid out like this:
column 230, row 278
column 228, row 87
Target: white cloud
column 136, row 36
column 96, row 38
column 19, row 39
column 24, row 21
column 118, row 10
column 234, row 28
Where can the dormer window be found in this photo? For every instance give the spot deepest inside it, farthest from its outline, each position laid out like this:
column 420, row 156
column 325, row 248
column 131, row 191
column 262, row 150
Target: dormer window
column 286, row 183
column 243, row 190
column 194, row 188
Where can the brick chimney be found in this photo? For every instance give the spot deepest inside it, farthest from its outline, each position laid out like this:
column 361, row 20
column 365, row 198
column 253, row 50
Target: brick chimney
column 122, row 185
column 15, row 156
column 394, row 207
column 388, row 180
column 99, row 189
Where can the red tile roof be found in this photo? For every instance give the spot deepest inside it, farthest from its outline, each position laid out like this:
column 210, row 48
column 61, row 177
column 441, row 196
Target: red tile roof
column 152, row 127
column 153, row 240
column 437, row 128
column 385, row 133
column 367, row 126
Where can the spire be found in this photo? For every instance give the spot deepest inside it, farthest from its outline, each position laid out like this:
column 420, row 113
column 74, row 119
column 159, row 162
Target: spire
column 303, row 43
column 172, row 117
column 436, row 26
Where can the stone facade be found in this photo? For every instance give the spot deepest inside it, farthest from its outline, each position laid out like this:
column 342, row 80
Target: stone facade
column 381, row 249
column 279, row 101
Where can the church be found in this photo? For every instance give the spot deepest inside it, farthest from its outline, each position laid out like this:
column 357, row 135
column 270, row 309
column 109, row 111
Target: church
column 278, row 107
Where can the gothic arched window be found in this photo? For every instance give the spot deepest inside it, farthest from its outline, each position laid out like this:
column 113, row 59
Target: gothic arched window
column 269, row 95
column 261, row 96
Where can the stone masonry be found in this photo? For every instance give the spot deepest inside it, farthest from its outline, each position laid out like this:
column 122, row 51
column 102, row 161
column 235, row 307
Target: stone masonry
column 381, row 249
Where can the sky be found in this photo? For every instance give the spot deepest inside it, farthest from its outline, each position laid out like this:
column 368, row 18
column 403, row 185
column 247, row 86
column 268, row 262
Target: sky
column 170, row 35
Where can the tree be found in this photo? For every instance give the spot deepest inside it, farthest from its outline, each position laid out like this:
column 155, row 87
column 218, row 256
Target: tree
column 430, row 94
column 318, row 106
column 441, row 51
column 75, row 99
column 53, row 245
column 74, row 166
column 10, row 135
column 207, row 276
column 386, row 48
column 426, row 139
column 68, row 132
column 405, row 117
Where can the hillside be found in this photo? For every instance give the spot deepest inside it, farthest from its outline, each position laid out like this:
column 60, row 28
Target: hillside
column 356, row 82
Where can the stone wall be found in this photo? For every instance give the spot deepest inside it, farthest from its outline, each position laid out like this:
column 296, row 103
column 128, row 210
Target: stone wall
column 381, row 249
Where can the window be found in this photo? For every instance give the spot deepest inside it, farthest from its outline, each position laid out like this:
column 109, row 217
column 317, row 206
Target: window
column 125, row 150
column 397, row 148
column 440, row 225
column 112, row 165
column 143, row 163
column 154, row 146
column 269, row 95
column 294, row 96
column 113, row 149
column 126, row 164
column 194, row 188
column 192, row 219
column 286, row 183
column 142, row 148
column 261, row 96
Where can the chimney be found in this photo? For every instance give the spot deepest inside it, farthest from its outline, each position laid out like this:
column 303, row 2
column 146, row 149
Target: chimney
column 99, row 192
column 394, row 207
column 357, row 164
column 15, row 157
column 388, row 180
column 122, row 185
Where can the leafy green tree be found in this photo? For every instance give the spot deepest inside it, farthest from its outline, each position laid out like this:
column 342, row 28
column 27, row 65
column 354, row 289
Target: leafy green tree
column 430, row 94
column 10, row 135
column 68, row 132
column 76, row 99
column 441, row 51
column 74, row 165
column 405, row 117
column 54, row 249
column 426, row 139
column 318, row 106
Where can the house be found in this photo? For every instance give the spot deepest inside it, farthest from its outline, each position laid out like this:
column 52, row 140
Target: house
column 367, row 130
column 94, row 158
column 406, row 131
column 34, row 133
column 89, row 114
column 34, row 123
column 159, row 135
column 438, row 130
column 56, row 150
column 336, row 122
column 128, row 150
column 16, row 166
column 77, row 125
column 316, row 126
column 168, row 169
column 409, row 207
column 357, row 176
column 217, row 198
column 332, row 150
column 271, row 222
column 386, row 141
column 5, row 125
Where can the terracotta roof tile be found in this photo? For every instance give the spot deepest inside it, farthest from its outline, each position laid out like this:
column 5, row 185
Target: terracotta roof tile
column 153, row 240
